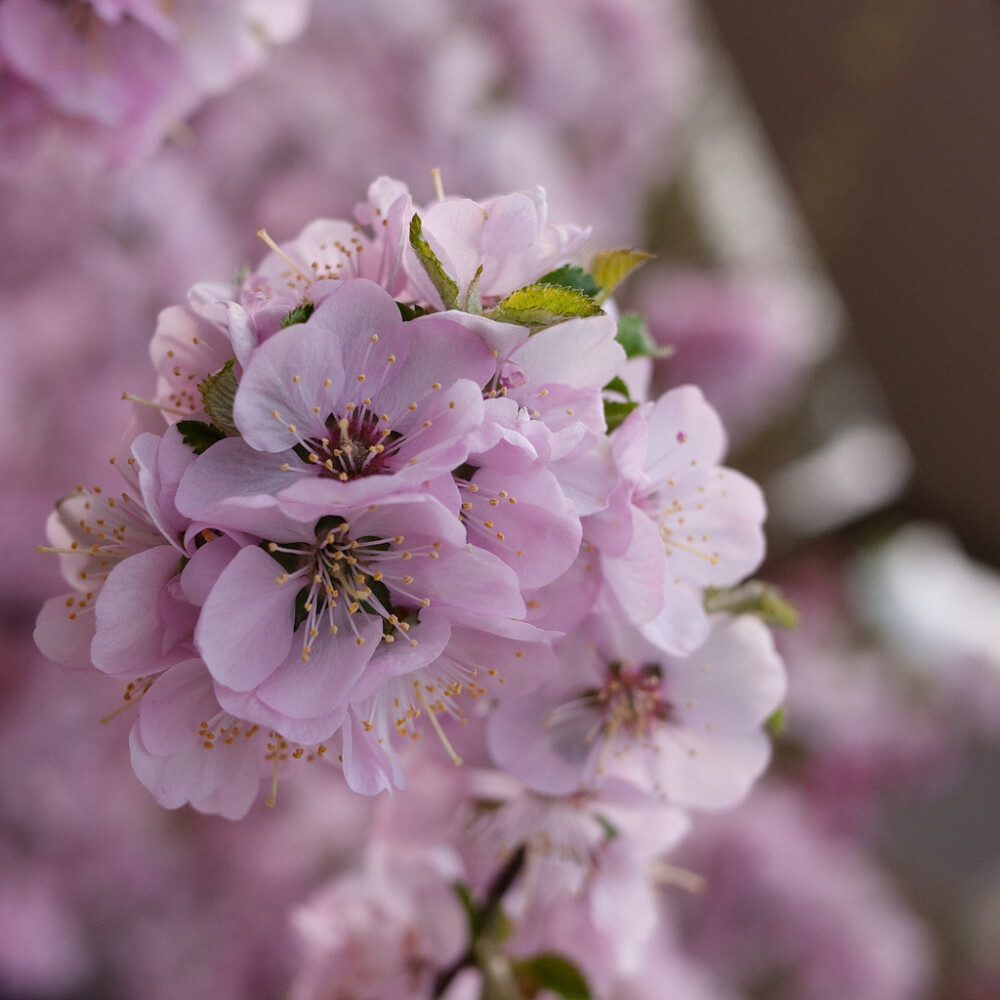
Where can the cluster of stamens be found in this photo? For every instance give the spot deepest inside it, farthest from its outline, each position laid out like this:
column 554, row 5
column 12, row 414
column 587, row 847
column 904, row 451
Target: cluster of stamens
column 494, row 499
column 339, row 578
column 360, row 445
column 631, row 700
column 670, row 518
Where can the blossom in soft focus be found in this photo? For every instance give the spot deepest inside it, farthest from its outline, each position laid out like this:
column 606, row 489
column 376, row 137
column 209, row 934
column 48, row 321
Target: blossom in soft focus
column 383, row 931
column 746, row 341
column 121, row 75
column 789, row 906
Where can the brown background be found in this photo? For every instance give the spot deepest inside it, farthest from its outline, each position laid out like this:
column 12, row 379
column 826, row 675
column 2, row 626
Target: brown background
column 885, row 115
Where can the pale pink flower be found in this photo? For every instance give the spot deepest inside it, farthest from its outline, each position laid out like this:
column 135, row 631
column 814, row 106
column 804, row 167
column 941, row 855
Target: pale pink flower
column 303, row 271
column 679, row 523
column 502, row 244
column 395, row 573
column 120, row 74
column 190, row 344
column 383, row 931
column 344, row 408
column 186, row 749
column 685, row 730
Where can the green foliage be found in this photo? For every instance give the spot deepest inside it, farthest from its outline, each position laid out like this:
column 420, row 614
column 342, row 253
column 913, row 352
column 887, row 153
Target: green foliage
column 540, row 305
column 198, row 435
column 445, row 284
column 754, row 598
column 549, row 971
column 569, row 276
column 633, row 335
column 615, row 413
column 409, row 312
column 298, row 315
column 616, row 410
column 611, row 267
column 473, row 301
column 218, row 392
column 776, row 721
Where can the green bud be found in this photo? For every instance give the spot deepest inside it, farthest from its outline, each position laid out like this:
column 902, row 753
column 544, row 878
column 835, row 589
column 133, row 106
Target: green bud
column 218, row 392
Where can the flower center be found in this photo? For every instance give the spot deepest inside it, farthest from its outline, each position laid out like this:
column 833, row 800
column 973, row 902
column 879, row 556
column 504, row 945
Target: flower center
column 358, row 445
column 341, row 576
column 632, row 700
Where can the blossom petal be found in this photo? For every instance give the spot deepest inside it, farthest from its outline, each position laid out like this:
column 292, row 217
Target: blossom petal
column 244, row 631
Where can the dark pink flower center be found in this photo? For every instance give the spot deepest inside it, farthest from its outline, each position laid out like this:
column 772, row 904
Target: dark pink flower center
column 358, row 445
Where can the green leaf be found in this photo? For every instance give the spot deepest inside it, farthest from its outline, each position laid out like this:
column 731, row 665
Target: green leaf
column 754, row 598
column 218, row 392
column 572, row 277
column 198, row 435
column 615, row 413
column 611, row 267
column 776, row 721
column 464, row 894
column 539, row 306
column 411, row 311
column 633, row 335
column 610, row 830
column 617, row 384
column 473, row 302
column 298, row 315
column 549, row 971
column 445, row 284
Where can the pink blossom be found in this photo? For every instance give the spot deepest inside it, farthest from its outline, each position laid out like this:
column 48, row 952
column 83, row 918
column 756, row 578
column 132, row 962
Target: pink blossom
column 346, row 407
column 785, row 903
column 502, row 244
column 686, row 730
column 306, row 269
column 394, row 573
column 680, row 522
column 185, row 748
column 120, row 74
column 95, row 533
column 384, row 931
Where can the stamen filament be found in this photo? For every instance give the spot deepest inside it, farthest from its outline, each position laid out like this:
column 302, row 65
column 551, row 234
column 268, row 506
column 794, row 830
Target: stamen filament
column 262, row 233
column 449, row 749
column 438, row 186
column 156, row 406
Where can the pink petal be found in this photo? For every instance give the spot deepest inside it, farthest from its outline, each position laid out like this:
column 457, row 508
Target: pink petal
column 245, row 628
column 130, row 632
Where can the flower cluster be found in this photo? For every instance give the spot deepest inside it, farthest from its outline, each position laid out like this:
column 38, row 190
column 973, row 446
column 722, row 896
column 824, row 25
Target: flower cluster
column 407, row 484
column 121, row 74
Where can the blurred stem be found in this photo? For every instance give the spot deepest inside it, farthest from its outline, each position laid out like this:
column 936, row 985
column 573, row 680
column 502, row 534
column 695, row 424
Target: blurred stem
column 499, row 983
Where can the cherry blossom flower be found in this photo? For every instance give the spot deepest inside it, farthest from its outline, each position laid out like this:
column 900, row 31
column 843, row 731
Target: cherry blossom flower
column 120, row 74
column 186, row 749
column 396, row 573
column 384, row 931
column 346, row 407
column 500, row 245
column 680, row 522
column 686, row 730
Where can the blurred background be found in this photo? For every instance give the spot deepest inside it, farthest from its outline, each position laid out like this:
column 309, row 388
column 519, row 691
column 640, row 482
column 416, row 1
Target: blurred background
column 819, row 185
